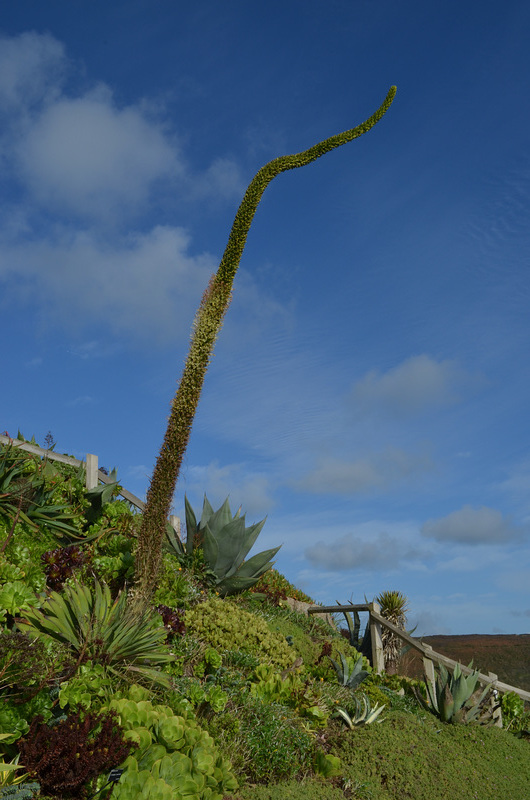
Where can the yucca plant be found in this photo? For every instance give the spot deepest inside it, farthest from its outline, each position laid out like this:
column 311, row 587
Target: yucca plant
column 394, row 609
column 450, row 699
column 98, row 629
column 225, row 542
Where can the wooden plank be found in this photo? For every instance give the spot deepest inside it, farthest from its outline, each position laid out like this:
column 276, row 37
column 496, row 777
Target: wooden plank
column 38, row 451
column 332, row 609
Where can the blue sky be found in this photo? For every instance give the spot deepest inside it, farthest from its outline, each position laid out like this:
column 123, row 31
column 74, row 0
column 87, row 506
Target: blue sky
column 369, row 390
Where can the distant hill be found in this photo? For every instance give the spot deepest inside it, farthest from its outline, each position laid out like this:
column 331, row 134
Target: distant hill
column 507, row 655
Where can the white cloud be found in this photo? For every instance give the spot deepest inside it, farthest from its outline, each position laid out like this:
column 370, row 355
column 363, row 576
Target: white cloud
column 87, row 156
column 471, row 525
column 374, row 472
column 416, row 384
column 145, row 286
column 79, row 156
column 31, row 70
column 222, row 179
column 353, row 552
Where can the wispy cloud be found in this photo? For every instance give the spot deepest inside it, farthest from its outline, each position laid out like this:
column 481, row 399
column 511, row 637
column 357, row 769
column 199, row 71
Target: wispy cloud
column 473, row 526
column 32, row 68
column 377, row 471
column 417, row 384
column 81, row 400
column 353, row 552
column 244, row 487
column 143, row 285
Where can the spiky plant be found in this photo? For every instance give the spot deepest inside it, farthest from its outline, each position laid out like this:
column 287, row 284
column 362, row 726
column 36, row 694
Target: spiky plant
column 394, row 609
column 206, row 327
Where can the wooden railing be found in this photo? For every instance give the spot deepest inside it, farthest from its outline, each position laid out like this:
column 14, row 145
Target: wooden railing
column 429, row 656
column 93, row 475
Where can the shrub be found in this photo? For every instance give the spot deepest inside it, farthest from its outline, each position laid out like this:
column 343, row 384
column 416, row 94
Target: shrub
column 225, row 626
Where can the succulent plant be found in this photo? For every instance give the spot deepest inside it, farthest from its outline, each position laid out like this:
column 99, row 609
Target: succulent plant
column 225, row 542
column 450, row 699
column 350, row 672
column 364, row 713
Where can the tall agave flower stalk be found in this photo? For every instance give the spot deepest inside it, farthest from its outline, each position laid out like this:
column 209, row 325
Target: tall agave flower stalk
column 206, row 327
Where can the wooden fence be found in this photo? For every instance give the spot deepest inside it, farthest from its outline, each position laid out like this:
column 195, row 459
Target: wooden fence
column 93, row 475
column 430, row 657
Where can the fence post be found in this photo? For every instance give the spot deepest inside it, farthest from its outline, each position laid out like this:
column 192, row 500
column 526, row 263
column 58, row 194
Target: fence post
column 174, row 521
column 378, row 658
column 428, row 666
column 91, row 478
column 494, row 699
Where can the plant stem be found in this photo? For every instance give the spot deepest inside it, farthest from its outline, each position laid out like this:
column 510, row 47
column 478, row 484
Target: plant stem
column 206, row 327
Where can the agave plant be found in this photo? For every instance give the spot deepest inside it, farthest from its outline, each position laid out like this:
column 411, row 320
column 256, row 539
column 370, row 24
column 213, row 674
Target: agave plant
column 99, row 629
column 364, row 713
column 350, row 673
column 450, row 699
column 354, row 627
column 225, row 542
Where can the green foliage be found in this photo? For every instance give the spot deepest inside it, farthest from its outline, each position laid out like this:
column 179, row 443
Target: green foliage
column 225, row 542
column 20, row 562
column 290, row 690
column 28, row 493
column 451, row 697
column 21, row 791
column 15, row 596
column 225, row 626
column 270, row 743
column 174, row 754
column 394, row 609
column 98, row 497
column 326, row 765
column 90, row 687
column 275, row 587
column 415, row 757
column 101, row 630
column 177, row 587
column 205, row 697
column 514, row 718
column 354, row 627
